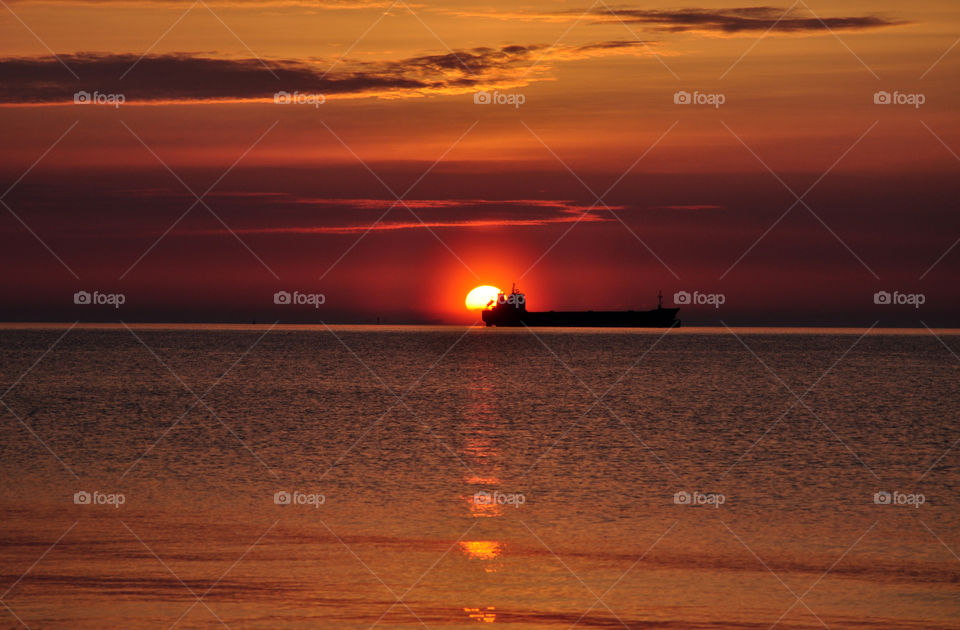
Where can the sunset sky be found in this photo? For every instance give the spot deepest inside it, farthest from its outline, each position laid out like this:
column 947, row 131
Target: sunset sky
column 304, row 196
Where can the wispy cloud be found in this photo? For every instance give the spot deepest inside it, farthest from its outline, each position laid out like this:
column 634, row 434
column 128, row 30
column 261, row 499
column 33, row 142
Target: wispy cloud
column 352, row 216
column 740, row 20
column 196, row 78
column 732, row 21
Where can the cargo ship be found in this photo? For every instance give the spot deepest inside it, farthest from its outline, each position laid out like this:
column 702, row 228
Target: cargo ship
column 511, row 310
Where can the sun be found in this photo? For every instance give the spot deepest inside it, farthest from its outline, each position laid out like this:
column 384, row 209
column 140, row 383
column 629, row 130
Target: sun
column 480, row 298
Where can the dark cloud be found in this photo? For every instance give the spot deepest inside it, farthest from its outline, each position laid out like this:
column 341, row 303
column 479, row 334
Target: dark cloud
column 176, row 77
column 189, row 77
column 738, row 20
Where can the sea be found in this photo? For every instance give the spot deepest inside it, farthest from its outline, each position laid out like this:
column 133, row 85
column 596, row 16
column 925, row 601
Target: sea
column 292, row 477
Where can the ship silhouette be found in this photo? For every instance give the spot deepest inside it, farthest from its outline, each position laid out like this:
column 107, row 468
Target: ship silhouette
column 511, row 310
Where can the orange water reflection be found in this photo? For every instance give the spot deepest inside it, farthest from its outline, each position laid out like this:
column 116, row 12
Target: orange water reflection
column 485, row 615
column 482, row 455
column 482, row 549
column 480, row 481
column 486, row 551
column 481, row 507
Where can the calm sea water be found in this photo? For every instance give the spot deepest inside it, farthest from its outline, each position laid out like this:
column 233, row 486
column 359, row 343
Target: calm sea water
column 444, row 477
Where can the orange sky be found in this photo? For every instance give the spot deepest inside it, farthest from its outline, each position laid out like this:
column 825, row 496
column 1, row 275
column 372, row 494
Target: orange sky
column 582, row 101
column 398, row 81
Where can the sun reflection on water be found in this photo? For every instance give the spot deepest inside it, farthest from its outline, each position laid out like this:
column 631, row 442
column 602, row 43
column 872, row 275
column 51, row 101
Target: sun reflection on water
column 485, row 616
column 486, row 551
column 482, row 549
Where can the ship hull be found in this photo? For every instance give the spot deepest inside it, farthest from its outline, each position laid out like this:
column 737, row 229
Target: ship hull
column 659, row 318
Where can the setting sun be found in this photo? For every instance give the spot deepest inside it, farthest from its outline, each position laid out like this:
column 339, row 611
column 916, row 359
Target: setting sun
column 480, row 298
